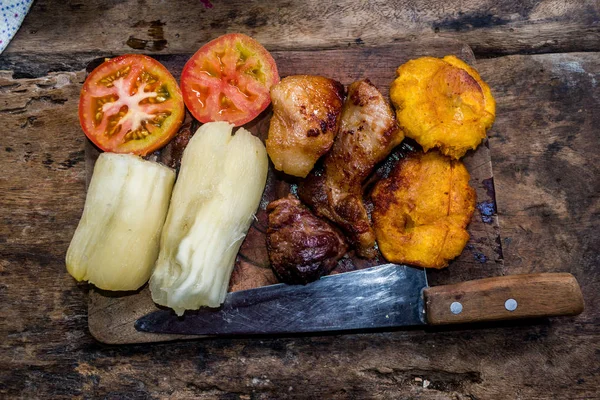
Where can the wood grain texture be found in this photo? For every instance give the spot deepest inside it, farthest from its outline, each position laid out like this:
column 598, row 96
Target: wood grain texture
column 116, row 27
column 47, row 351
column 546, row 166
column 533, row 296
column 547, row 163
column 112, row 317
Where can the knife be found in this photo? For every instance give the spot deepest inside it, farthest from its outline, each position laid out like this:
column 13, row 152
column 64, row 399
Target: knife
column 386, row 296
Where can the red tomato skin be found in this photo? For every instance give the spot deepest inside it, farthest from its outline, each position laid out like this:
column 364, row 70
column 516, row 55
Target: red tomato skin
column 86, row 113
column 190, row 97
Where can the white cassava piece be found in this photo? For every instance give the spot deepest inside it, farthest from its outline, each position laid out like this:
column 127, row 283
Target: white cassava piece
column 217, row 192
column 116, row 242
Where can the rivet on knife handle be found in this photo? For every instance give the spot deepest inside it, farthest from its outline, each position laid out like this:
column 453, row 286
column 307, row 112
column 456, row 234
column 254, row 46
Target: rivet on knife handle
column 503, row 298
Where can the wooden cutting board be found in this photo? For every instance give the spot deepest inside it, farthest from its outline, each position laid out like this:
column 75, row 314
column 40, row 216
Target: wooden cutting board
column 112, row 315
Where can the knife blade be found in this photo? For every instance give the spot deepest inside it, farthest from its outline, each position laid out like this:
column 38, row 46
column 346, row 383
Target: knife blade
column 380, row 297
column 384, row 296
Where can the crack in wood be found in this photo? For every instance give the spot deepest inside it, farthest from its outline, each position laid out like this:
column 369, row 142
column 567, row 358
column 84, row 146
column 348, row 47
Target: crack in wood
column 22, row 109
column 439, row 379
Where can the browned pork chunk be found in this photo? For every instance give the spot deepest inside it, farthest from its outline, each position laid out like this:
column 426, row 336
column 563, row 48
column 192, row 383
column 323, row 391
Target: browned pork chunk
column 306, row 115
column 368, row 133
column 302, row 247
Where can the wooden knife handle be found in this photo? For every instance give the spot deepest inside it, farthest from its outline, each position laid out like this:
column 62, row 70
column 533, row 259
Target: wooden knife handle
column 503, row 298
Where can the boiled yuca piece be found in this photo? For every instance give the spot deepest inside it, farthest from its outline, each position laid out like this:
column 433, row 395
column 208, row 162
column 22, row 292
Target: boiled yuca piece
column 220, row 184
column 116, row 242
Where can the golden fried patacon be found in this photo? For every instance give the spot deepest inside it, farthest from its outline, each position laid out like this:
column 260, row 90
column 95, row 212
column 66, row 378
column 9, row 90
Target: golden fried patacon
column 422, row 210
column 443, row 103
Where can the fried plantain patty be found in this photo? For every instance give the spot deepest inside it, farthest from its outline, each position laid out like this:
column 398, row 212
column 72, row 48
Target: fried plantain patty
column 422, row 210
column 443, row 103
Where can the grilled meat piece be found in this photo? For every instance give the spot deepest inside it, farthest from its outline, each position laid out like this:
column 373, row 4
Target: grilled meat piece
column 306, row 115
column 301, row 246
column 368, row 133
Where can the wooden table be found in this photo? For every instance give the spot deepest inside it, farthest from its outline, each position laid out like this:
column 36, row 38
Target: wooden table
column 542, row 60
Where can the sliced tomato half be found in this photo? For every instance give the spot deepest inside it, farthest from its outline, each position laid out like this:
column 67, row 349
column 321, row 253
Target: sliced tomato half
column 229, row 79
column 131, row 104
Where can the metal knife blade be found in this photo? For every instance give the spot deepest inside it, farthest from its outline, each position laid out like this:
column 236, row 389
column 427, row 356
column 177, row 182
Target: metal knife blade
column 380, row 297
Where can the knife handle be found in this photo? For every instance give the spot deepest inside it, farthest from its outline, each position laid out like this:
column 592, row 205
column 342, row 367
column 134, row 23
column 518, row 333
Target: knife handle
column 504, row 298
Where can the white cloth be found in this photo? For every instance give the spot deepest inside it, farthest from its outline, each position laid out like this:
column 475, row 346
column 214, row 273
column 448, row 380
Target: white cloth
column 12, row 13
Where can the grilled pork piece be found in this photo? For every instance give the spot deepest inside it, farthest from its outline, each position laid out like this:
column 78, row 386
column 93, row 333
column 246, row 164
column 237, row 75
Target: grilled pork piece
column 301, row 246
column 368, row 133
column 306, row 115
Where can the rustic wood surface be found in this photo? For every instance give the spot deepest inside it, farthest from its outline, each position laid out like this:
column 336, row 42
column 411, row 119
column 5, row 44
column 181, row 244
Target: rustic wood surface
column 111, row 317
column 546, row 168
